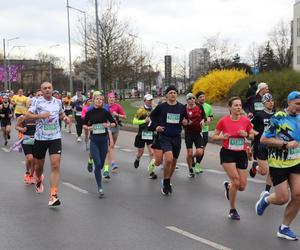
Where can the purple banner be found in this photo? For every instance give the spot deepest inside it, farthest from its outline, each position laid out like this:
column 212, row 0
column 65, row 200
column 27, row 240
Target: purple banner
column 14, row 72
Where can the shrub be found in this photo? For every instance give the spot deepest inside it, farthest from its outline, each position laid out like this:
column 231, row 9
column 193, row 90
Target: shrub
column 280, row 84
column 217, row 83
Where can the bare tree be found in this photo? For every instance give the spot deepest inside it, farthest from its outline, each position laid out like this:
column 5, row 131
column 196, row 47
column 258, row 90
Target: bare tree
column 280, row 38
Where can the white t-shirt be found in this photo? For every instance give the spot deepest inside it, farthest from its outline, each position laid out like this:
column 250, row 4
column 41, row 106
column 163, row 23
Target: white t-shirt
column 47, row 129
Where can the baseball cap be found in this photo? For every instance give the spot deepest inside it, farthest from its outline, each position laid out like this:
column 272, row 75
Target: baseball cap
column 293, row 95
column 148, row 97
column 266, row 98
column 261, row 86
column 189, row 95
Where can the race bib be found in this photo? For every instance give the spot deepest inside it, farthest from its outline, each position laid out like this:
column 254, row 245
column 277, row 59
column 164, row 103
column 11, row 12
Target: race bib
column 147, row 135
column 173, row 118
column 68, row 107
column 236, row 143
column 78, row 113
column 28, row 141
column 98, row 129
column 49, row 129
column 258, row 106
column 294, row 153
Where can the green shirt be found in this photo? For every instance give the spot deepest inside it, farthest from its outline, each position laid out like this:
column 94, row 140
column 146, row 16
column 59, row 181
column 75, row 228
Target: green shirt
column 208, row 112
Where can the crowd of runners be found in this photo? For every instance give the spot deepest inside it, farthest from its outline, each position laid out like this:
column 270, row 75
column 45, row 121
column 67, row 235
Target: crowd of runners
column 253, row 126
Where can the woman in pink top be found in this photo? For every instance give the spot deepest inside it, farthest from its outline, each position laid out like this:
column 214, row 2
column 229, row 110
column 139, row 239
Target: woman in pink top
column 233, row 131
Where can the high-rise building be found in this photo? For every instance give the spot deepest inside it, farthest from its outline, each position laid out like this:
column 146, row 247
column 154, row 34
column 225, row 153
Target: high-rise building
column 296, row 36
column 198, row 63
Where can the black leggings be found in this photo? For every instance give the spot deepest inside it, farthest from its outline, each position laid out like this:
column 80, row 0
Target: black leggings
column 79, row 123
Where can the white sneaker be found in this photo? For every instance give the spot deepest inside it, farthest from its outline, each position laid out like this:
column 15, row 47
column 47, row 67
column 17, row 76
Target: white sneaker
column 78, row 139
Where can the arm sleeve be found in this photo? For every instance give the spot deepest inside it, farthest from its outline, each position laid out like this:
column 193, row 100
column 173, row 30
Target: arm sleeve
column 136, row 121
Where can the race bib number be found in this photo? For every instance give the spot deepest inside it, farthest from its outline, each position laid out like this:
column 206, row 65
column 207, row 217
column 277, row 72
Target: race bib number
column 294, row 153
column 98, row 129
column 78, row 113
column 236, row 143
column 147, row 135
column 28, row 141
column 258, row 106
column 68, row 107
column 49, row 129
column 173, row 118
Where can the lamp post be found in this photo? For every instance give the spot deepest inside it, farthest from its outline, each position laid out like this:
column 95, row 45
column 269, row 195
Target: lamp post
column 137, row 37
column 7, row 71
column 85, row 41
column 98, row 49
column 70, row 55
column 50, row 63
column 184, row 66
column 168, row 65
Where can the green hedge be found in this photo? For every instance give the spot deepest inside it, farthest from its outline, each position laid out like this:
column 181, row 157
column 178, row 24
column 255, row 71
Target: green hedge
column 280, row 84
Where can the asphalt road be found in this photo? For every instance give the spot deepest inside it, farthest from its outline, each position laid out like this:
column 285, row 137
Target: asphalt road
column 133, row 214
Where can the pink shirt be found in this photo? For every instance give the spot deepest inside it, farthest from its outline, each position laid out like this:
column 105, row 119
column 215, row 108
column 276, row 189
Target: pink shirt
column 118, row 109
column 228, row 126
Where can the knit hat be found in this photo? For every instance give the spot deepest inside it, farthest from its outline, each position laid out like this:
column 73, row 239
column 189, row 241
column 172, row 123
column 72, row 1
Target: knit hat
column 170, row 88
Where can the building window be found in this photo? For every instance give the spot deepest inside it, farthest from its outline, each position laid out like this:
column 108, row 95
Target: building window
column 298, row 54
column 298, row 26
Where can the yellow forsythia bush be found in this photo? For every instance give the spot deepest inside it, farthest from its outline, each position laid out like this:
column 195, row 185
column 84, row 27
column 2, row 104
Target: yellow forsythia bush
column 217, row 83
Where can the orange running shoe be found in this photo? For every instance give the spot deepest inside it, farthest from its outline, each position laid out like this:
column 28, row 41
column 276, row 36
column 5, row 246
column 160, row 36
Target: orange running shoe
column 31, row 179
column 54, row 201
column 39, row 187
column 27, row 178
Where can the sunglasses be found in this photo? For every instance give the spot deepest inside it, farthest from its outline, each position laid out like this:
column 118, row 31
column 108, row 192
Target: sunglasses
column 191, row 98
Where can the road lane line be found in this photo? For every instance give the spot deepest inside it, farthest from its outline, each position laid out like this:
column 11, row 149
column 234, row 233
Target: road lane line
column 75, row 187
column 127, row 150
column 197, row 238
column 256, row 181
column 213, row 171
column 5, row 150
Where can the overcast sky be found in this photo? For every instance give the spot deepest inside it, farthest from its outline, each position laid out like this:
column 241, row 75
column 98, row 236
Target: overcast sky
column 182, row 23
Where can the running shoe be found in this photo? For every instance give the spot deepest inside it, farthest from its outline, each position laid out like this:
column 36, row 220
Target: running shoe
column 164, row 189
column 233, row 214
column 226, row 186
column 90, row 165
column 8, row 136
column 252, row 171
column 261, row 205
column 176, row 168
column 100, row 192
column 198, row 168
column 78, row 139
column 136, row 163
column 106, row 175
column 39, row 187
column 27, row 178
column 286, row 233
column 153, row 176
column 54, row 201
column 5, row 143
column 263, row 193
column 114, row 167
column 151, row 166
column 191, row 173
column 31, row 180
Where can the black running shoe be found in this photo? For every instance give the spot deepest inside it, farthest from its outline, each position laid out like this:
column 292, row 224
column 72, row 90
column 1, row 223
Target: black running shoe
column 252, row 171
column 136, row 163
column 226, row 185
column 90, row 166
column 153, row 176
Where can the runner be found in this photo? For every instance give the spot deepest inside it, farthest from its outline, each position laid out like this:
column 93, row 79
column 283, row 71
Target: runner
column 144, row 135
column 168, row 118
column 67, row 102
column 47, row 110
column 283, row 137
column 77, row 107
column 196, row 117
column 233, row 129
column 118, row 114
column 19, row 101
column 6, row 115
column 261, row 122
column 97, row 120
column 27, row 128
column 254, row 104
column 209, row 116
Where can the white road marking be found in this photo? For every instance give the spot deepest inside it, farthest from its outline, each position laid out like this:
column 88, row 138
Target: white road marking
column 197, row 238
column 5, row 150
column 182, row 164
column 127, row 150
column 75, row 187
column 117, row 146
column 213, row 171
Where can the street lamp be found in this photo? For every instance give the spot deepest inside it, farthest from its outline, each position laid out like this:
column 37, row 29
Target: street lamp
column 168, row 65
column 98, row 48
column 85, row 39
column 50, row 63
column 184, row 66
column 137, row 37
column 70, row 55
